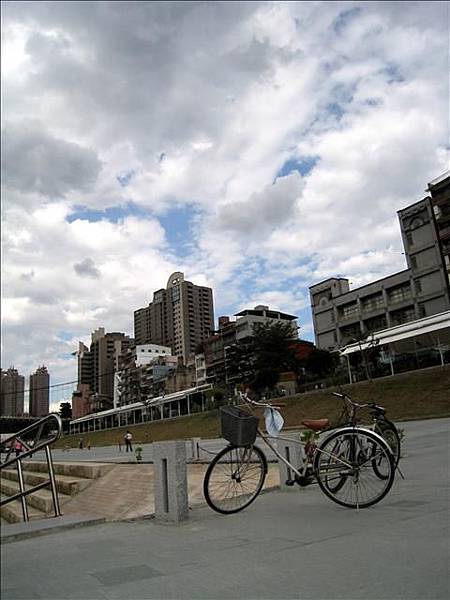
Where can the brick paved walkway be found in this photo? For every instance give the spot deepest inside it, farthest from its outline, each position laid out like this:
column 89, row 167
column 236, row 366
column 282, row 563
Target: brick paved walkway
column 127, row 492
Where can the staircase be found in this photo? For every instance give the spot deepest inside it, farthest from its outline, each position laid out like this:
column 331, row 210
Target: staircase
column 71, row 479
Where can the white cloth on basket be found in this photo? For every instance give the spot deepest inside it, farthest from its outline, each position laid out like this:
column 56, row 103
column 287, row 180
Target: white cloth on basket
column 274, row 421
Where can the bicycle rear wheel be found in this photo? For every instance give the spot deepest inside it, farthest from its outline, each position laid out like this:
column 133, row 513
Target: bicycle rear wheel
column 389, row 432
column 344, row 467
column 234, row 478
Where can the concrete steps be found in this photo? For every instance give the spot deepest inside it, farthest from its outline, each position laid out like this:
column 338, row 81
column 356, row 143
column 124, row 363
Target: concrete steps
column 71, row 479
column 12, row 512
column 65, row 484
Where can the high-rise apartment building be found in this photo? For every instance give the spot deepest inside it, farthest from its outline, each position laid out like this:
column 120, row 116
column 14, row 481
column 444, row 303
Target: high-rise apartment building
column 98, row 364
column 39, row 397
column 12, row 393
column 341, row 315
column 180, row 316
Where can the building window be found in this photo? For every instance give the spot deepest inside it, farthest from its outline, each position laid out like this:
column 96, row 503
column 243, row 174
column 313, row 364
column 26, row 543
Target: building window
column 376, row 324
column 413, row 260
column 409, row 238
column 350, row 333
column 349, row 310
column 175, row 291
column 399, row 294
column 403, row 316
column 372, row 303
column 418, row 285
column 416, row 222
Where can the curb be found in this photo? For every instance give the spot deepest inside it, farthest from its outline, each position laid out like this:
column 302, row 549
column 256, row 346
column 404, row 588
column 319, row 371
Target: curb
column 20, row 531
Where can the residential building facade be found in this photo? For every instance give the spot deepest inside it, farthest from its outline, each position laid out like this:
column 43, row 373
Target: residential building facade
column 12, row 393
column 440, row 198
column 39, row 398
column 341, row 315
column 140, row 368
column 181, row 316
column 219, row 347
column 98, row 364
column 82, row 401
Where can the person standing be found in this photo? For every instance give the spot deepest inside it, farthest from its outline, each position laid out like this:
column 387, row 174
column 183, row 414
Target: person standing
column 18, row 447
column 128, row 438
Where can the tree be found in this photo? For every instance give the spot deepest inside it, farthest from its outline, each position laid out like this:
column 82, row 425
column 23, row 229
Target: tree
column 65, row 410
column 258, row 360
column 321, row 362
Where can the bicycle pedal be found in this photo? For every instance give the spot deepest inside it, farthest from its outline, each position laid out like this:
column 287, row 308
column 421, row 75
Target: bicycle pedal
column 290, row 482
column 304, row 481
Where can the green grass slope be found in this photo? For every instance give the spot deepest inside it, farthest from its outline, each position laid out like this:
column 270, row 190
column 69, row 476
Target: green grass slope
column 421, row 394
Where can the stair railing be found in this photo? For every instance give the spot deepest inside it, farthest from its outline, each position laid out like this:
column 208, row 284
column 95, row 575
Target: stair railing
column 35, row 437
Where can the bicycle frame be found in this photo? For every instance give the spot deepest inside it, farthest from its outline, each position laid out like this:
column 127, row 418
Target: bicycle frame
column 301, row 471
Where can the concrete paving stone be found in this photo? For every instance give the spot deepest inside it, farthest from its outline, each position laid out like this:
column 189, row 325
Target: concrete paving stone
column 285, row 545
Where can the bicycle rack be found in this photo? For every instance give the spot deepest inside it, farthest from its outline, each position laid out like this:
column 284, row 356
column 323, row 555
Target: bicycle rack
column 36, row 433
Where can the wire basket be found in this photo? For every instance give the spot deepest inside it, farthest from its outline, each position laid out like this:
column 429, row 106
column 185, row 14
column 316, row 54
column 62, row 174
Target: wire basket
column 238, row 427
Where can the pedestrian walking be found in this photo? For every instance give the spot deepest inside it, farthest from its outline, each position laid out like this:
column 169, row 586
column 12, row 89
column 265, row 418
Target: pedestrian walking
column 128, row 438
column 80, row 443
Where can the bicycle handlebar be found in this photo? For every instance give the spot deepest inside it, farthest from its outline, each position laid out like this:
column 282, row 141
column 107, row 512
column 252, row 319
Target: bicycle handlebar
column 356, row 404
column 246, row 398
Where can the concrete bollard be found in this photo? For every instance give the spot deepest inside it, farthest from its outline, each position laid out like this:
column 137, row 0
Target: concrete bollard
column 195, row 448
column 293, row 452
column 171, row 497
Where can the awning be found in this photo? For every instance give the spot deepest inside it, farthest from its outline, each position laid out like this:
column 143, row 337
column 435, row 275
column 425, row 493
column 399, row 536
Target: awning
column 426, row 332
column 141, row 405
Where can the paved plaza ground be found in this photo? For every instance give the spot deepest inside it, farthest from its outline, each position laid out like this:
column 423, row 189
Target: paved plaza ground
column 294, row 544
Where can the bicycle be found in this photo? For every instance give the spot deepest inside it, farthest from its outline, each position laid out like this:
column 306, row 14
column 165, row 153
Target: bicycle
column 343, row 463
column 380, row 423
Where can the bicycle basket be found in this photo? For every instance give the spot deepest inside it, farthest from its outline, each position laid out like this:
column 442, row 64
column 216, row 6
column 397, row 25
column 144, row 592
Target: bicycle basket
column 238, row 427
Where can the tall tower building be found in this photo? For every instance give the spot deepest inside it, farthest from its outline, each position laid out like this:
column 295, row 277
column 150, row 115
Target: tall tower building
column 97, row 365
column 11, row 393
column 180, row 316
column 39, row 393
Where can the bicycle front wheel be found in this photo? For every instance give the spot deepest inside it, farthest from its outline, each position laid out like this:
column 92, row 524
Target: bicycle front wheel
column 344, row 467
column 234, row 478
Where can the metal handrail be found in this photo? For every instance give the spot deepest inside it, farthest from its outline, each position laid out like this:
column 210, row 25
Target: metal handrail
column 39, row 443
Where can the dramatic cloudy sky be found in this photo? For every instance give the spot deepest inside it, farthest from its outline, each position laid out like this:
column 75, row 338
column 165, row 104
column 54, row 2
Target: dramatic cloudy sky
column 257, row 147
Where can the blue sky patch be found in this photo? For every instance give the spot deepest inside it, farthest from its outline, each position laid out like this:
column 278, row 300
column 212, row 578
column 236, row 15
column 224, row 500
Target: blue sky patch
column 303, row 165
column 335, row 109
column 342, row 20
column 65, row 335
column 112, row 213
column 177, row 223
column 125, row 178
column 393, row 74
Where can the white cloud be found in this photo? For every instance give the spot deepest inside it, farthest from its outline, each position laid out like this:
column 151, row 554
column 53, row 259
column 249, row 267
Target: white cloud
column 202, row 104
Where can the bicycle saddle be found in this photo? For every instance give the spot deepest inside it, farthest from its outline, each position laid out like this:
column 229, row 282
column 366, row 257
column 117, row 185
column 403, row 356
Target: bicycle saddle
column 316, row 424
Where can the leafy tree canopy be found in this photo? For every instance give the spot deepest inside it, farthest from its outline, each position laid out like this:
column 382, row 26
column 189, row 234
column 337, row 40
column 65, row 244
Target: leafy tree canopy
column 258, row 360
column 65, row 410
column 321, row 362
